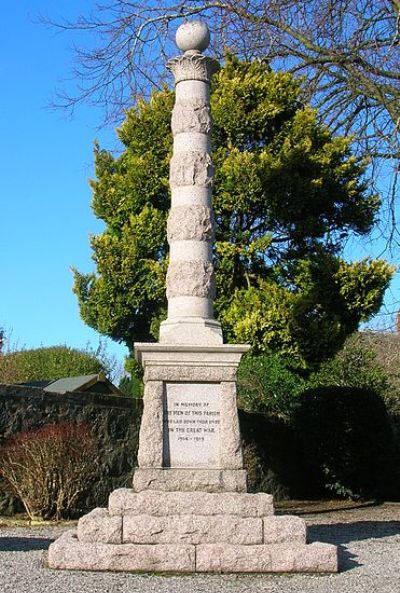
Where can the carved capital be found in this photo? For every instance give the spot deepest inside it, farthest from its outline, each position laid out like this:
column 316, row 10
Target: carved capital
column 193, row 67
column 191, row 168
column 191, row 278
column 191, row 116
column 188, row 223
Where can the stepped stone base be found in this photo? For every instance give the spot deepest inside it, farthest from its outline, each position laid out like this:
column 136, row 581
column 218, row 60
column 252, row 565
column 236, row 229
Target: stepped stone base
column 70, row 553
column 190, row 532
column 189, row 480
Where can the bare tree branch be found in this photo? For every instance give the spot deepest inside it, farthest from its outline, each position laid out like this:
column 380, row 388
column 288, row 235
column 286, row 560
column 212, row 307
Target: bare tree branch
column 347, row 51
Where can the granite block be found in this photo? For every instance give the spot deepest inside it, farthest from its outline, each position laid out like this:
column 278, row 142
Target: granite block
column 68, row 552
column 99, row 526
column 284, row 529
column 219, row 558
column 191, row 529
column 186, row 480
column 159, row 504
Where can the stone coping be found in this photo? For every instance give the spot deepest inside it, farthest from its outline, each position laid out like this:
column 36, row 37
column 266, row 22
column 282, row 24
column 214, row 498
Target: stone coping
column 174, row 354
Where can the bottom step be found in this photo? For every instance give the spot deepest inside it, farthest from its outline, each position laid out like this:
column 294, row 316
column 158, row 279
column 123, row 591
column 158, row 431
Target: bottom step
column 68, row 553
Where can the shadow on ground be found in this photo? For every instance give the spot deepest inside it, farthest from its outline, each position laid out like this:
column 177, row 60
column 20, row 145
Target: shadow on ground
column 345, row 533
column 24, row 544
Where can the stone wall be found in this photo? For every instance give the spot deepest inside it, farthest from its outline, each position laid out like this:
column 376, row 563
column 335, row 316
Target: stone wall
column 114, row 420
column 272, row 457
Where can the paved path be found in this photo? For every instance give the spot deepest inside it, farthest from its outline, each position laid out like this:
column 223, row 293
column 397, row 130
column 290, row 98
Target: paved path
column 369, row 548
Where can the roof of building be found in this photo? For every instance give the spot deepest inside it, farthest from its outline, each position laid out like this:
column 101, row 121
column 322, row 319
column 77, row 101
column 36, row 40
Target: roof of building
column 81, row 383
column 41, row 384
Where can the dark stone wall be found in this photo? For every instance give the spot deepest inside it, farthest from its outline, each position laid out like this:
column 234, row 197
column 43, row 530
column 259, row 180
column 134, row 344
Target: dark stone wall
column 277, row 455
column 114, row 421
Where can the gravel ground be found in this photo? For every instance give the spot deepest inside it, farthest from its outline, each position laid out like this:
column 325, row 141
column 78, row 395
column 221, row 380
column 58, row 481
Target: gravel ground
column 369, row 550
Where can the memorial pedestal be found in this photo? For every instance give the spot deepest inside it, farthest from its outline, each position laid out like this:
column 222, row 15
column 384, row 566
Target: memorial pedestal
column 189, row 435
column 188, row 510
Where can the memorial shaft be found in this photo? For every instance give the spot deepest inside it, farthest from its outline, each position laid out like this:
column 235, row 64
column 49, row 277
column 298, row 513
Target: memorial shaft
column 190, row 230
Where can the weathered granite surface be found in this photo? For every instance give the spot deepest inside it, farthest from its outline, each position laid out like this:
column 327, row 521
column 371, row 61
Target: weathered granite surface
column 125, row 501
column 193, row 36
column 284, row 529
column 190, row 532
column 195, row 117
column 180, row 331
column 190, row 229
column 189, row 373
column 100, row 526
column 69, row 553
column 231, row 456
column 191, row 421
column 192, row 67
column 187, row 223
column 191, row 278
column 315, row 557
column 187, row 480
column 192, row 529
column 151, row 428
column 191, row 168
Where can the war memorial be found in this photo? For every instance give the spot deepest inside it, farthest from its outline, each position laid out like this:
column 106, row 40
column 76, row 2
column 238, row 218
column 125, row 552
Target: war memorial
column 188, row 509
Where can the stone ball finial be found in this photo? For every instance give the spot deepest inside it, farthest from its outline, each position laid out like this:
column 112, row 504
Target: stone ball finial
column 193, row 36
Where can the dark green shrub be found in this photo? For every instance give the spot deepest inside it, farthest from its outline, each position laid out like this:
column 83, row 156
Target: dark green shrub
column 345, row 440
column 267, row 385
column 50, row 363
column 270, row 455
column 131, row 387
column 385, row 347
column 132, row 384
column 356, row 365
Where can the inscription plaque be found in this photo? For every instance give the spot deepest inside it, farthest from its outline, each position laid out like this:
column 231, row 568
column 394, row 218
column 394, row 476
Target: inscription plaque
column 191, row 425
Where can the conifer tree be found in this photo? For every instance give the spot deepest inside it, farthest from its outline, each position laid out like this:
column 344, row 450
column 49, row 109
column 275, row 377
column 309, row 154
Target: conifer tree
column 287, row 194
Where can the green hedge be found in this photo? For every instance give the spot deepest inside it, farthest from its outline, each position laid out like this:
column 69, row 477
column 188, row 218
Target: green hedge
column 345, row 440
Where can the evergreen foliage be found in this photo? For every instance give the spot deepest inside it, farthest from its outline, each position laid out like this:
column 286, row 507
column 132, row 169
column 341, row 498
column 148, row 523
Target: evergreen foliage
column 287, row 194
column 355, row 365
column 267, row 385
column 50, row 363
column 346, row 443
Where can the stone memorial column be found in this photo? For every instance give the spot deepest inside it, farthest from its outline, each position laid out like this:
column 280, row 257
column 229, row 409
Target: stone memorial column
column 198, row 446
column 190, row 277
column 188, row 509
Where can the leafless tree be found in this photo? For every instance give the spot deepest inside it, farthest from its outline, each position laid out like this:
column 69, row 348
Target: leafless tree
column 348, row 52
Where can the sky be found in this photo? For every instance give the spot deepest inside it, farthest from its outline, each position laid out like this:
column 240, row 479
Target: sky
column 46, row 160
